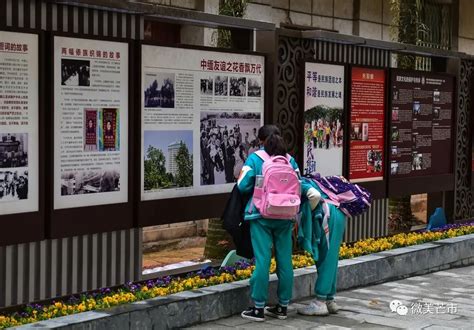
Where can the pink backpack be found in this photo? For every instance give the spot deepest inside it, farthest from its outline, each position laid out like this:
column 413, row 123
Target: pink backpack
column 277, row 193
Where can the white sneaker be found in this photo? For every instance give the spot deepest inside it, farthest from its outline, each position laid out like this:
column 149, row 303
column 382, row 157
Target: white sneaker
column 333, row 308
column 316, row 307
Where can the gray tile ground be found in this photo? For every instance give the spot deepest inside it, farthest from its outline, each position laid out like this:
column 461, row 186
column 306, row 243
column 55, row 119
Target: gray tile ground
column 427, row 297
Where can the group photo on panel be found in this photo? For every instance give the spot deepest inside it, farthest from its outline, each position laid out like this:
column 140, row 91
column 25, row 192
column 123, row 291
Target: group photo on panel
column 226, row 141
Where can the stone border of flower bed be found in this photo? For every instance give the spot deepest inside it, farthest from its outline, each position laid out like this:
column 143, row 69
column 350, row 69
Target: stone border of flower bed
column 214, row 302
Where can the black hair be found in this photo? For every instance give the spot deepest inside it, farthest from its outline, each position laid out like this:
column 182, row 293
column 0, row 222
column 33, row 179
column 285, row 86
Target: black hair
column 274, row 145
column 273, row 142
column 266, row 130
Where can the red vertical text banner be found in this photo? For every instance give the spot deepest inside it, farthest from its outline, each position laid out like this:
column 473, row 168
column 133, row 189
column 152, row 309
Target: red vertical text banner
column 367, row 124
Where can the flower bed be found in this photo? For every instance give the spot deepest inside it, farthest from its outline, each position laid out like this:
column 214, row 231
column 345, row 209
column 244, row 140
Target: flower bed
column 210, row 276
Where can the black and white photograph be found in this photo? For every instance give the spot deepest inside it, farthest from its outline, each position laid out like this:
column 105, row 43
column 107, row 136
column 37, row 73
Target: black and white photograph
column 436, row 113
column 394, row 150
column 13, row 150
column 226, row 141
column 394, row 168
column 206, row 86
column 254, row 87
column 75, row 72
column 436, row 96
column 221, row 86
column 417, row 163
column 90, row 182
column 159, row 90
column 238, row 86
column 13, row 185
column 395, row 95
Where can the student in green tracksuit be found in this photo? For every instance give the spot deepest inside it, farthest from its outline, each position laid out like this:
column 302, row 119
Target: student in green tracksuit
column 320, row 233
column 266, row 233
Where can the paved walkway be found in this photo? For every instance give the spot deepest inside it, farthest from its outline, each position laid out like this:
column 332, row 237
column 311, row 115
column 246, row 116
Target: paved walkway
column 442, row 300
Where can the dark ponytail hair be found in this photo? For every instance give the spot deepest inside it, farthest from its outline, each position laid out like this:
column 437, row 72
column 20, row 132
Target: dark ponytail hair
column 273, row 142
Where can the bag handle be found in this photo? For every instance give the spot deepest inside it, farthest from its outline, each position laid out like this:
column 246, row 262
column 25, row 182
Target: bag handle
column 280, row 159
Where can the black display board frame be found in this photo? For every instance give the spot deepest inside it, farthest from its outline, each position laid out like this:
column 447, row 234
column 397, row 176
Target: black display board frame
column 405, row 186
column 26, row 227
column 180, row 209
column 68, row 222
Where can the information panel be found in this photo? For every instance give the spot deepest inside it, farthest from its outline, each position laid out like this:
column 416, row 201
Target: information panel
column 201, row 111
column 90, row 122
column 422, row 117
column 18, row 122
column 324, row 119
column 367, row 125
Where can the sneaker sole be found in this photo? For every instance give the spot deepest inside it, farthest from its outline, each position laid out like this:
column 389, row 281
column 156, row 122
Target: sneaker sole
column 256, row 319
column 280, row 317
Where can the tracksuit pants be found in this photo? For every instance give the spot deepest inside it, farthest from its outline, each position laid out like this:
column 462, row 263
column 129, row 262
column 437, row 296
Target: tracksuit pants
column 325, row 288
column 266, row 233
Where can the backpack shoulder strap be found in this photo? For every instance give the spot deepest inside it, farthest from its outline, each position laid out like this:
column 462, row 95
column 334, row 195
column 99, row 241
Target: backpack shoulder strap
column 263, row 155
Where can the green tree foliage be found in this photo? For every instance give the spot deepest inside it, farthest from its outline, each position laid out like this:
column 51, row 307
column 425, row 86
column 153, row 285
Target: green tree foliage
column 155, row 169
column 184, row 177
column 323, row 112
column 234, row 8
column 408, row 27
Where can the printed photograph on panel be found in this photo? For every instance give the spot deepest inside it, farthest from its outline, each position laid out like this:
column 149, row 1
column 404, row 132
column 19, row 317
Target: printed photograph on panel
column 226, row 140
column 13, row 150
column 221, row 86
column 109, row 129
column 394, row 168
column 159, row 90
column 168, row 159
column 238, row 86
column 90, row 182
column 254, row 87
column 374, row 161
column 90, row 130
column 324, row 133
column 356, row 131
column 207, row 85
column 13, row 185
column 417, row 161
column 75, row 72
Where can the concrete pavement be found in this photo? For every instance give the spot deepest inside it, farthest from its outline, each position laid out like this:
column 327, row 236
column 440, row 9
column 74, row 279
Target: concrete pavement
column 441, row 300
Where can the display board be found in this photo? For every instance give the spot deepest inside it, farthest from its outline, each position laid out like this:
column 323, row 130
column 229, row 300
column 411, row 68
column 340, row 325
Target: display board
column 367, row 128
column 19, row 123
column 90, row 122
column 422, row 119
column 323, row 119
column 200, row 113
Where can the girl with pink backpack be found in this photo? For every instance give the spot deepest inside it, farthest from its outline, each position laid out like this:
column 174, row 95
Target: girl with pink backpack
column 272, row 178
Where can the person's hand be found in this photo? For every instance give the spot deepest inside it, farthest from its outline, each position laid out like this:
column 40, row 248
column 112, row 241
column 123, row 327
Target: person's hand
column 314, row 197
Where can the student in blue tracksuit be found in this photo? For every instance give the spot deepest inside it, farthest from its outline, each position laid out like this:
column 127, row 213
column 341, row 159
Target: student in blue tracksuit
column 322, row 239
column 266, row 233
